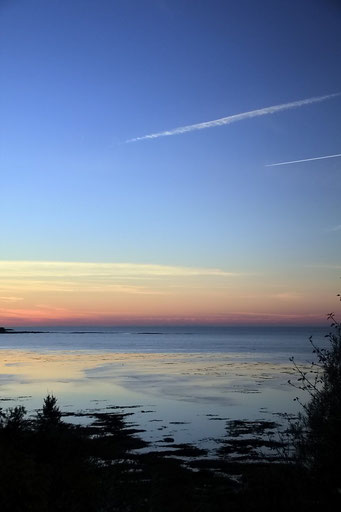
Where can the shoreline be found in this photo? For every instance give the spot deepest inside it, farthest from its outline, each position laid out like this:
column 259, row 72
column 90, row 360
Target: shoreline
column 106, row 460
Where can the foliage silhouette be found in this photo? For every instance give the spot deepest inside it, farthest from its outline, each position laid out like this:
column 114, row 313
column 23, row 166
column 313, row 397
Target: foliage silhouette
column 317, row 433
column 50, row 416
column 13, row 420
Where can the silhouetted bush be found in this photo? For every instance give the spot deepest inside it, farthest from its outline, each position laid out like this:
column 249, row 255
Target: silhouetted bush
column 317, row 433
column 48, row 465
column 13, row 419
column 50, row 416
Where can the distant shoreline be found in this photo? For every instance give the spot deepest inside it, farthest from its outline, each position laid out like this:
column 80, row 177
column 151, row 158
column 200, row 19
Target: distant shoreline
column 4, row 330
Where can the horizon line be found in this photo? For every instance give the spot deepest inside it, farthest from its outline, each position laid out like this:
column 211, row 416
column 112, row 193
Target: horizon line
column 319, row 323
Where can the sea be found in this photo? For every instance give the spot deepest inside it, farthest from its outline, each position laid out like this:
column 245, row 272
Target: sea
column 183, row 384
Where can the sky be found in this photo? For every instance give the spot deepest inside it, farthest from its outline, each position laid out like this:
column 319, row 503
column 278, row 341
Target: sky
column 139, row 161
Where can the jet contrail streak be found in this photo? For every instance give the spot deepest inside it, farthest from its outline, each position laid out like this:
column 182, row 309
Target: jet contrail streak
column 304, row 160
column 236, row 117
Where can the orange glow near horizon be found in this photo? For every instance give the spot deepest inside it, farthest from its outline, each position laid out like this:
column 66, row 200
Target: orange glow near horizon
column 59, row 293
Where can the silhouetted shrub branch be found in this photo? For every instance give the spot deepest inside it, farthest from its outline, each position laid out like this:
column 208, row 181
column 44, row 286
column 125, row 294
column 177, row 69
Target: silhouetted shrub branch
column 317, row 433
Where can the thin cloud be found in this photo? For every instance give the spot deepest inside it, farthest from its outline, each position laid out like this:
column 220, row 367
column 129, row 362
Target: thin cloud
column 236, row 117
column 285, row 296
column 10, row 299
column 57, row 269
column 333, row 229
column 304, row 160
column 117, row 278
column 336, row 228
column 325, row 266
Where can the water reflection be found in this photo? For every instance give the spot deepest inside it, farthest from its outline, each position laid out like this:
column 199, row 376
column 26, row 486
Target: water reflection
column 185, row 396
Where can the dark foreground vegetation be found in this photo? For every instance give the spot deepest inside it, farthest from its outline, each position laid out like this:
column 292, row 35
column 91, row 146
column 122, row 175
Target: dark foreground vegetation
column 47, row 464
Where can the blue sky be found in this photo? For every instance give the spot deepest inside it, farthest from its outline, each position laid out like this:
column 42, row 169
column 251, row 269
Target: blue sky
column 79, row 78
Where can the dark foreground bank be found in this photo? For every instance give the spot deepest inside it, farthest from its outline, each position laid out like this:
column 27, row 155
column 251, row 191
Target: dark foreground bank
column 49, row 465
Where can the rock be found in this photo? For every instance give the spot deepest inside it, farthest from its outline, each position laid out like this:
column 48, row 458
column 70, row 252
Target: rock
column 3, row 330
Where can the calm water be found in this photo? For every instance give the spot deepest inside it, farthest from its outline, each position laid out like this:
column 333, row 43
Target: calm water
column 179, row 382
column 270, row 343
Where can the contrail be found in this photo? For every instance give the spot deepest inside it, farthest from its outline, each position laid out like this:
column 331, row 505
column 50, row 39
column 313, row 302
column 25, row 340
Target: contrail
column 236, row 117
column 304, row 160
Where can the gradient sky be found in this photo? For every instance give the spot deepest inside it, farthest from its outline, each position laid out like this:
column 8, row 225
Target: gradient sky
column 194, row 227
